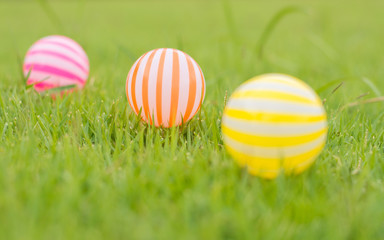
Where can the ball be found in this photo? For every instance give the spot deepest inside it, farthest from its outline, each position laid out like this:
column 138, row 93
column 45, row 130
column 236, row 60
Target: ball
column 166, row 87
column 274, row 123
column 56, row 61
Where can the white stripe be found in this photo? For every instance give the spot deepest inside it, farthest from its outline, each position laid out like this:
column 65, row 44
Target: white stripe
column 273, row 152
column 152, row 80
column 60, row 50
column 59, row 63
column 283, row 78
column 274, row 106
column 69, row 42
column 273, row 130
column 167, row 87
column 263, row 85
column 184, row 82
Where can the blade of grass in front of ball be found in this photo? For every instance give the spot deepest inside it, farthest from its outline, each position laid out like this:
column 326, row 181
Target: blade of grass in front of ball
column 20, row 63
column 2, row 107
column 28, row 86
column 60, row 89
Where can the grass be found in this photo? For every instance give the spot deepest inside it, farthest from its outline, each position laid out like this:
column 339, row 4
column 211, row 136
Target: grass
column 84, row 167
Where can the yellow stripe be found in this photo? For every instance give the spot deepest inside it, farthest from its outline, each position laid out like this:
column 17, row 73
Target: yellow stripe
column 272, row 117
column 274, row 95
column 267, row 141
column 266, row 168
column 292, row 165
column 270, row 167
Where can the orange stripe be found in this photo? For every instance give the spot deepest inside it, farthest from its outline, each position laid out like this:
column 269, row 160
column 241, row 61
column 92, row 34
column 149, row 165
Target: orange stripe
column 203, row 83
column 192, row 88
column 159, row 88
column 133, row 85
column 145, row 86
column 126, row 90
column 175, row 88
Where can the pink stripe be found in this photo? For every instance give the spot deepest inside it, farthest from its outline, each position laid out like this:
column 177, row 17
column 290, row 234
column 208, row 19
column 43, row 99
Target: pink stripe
column 64, row 46
column 55, row 71
column 45, row 86
column 61, row 56
column 53, row 79
column 65, row 41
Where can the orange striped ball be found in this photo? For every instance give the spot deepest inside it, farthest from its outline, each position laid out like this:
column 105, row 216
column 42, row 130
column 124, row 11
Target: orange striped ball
column 166, row 86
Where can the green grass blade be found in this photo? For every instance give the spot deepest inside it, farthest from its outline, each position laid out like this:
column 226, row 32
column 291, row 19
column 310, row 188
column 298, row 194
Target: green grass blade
column 228, row 14
column 51, row 14
column 20, row 66
column 327, row 86
column 324, row 47
column 260, row 46
column 60, row 89
column 372, row 86
column 28, row 86
column 128, row 52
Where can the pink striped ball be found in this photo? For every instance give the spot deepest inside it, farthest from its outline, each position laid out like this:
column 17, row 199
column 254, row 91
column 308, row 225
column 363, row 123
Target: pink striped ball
column 56, row 61
column 167, row 86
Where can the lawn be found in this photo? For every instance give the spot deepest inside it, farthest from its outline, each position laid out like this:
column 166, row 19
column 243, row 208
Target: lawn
column 85, row 167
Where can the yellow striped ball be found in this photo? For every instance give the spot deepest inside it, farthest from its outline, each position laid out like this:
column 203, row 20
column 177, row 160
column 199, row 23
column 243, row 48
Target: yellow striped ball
column 274, row 123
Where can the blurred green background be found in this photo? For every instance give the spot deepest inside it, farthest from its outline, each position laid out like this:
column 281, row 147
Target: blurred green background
column 83, row 167
column 334, row 39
